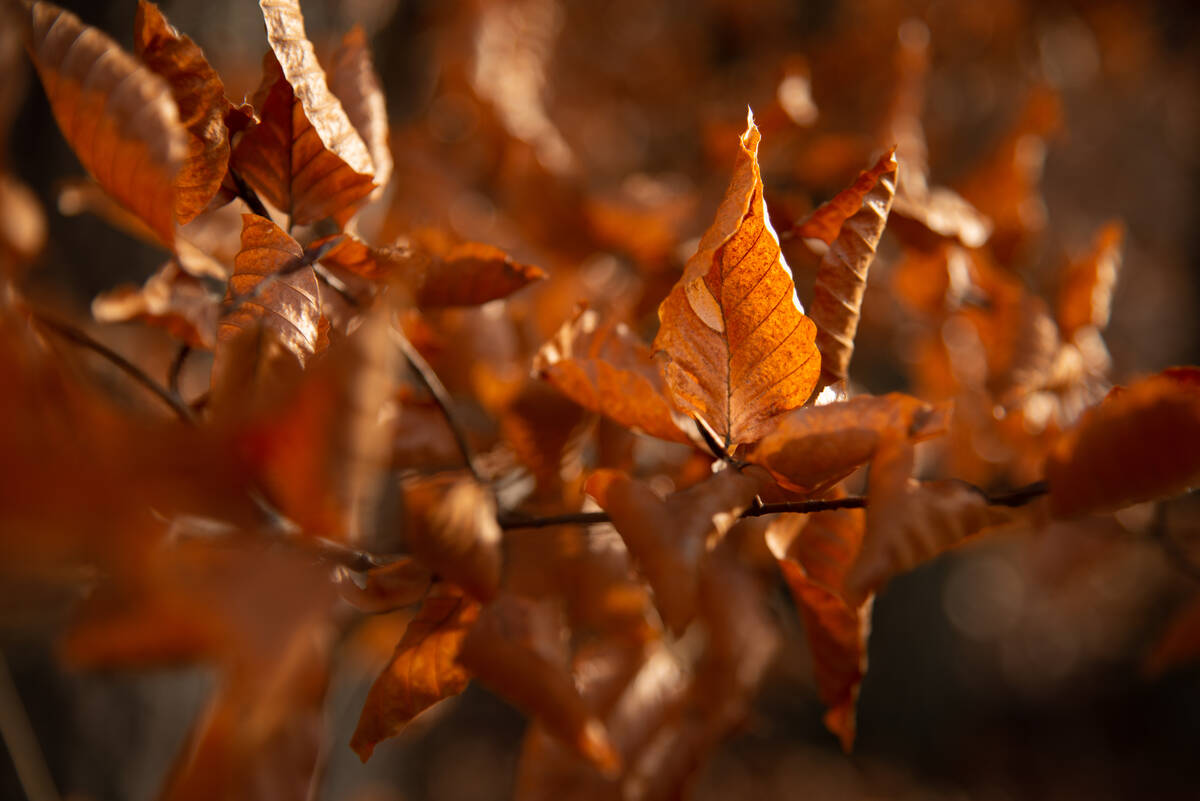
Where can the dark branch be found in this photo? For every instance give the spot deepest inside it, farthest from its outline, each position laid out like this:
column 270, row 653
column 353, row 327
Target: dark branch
column 249, row 195
column 176, row 368
column 77, row 337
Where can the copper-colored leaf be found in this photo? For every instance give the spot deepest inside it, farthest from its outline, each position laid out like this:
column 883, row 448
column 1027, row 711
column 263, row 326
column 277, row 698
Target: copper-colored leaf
column 842, row 275
column 1140, row 443
column 423, row 671
column 814, row 447
column 171, row 299
column 353, row 80
column 604, row 369
column 826, row 222
column 1085, row 297
column 304, row 156
column 668, row 538
column 117, row 115
column 738, row 349
column 384, row 589
column 1179, row 644
column 200, row 98
column 271, row 285
column 517, row 648
column 452, row 528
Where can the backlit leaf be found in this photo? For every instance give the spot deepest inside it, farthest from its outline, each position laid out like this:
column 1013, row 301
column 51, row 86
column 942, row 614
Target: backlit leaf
column 353, row 80
column 452, row 528
column 170, row 299
column 1085, row 297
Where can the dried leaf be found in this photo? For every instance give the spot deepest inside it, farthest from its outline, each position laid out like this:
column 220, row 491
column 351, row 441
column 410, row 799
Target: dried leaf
column 669, row 538
column 384, row 589
column 304, row 156
column 517, row 648
column 170, row 299
column 271, row 284
column 353, row 80
column 1140, row 443
column 424, row 670
column 117, row 115
column 739, row 351
column 814, row 447
column 1179, row 645
column 826, row 222
column 1085, row 297
column 604, row 369
column 452, row 528
column 200, row 97
column 842, row 275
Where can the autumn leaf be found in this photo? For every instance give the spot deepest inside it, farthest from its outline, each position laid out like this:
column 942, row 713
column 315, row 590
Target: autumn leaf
column 117, row 115
column 200, row 97
column 171, row 299
column 667, row 539
column 738, row 350
column 1085, row 297
column 353, row 81
column 1140, row 443
column 423, row 671
column 451, row 527
column 842, row 274
column 825, row 223
column 305, row 156
column 603, row 368
column 386, row 588
column 814, row 447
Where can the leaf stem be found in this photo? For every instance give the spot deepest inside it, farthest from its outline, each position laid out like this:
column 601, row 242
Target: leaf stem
column 176, row 368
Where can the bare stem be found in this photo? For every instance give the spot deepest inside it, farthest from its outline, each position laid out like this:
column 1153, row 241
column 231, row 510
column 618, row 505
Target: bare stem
column 78, row 337
column 177, row 368
column 249, row 195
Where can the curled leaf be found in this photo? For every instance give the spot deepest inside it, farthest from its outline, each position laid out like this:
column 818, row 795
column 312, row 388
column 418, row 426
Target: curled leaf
column 424, row 670
column 1085, row 298
column 842, row 275
column 171, row 299
column 117, row 115
column 353, row 80
column 452, row 529
column 604, row 369
column 738, row 350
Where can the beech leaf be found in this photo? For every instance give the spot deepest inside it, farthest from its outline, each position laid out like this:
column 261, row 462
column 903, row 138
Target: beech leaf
column 117, row 115
column 738, row 350
column 171, row 299
column 1085, row 297
column 452, row 529
column 353, row 80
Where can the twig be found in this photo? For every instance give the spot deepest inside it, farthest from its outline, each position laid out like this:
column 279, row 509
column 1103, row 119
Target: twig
column 77, row 337
column 21, row 742
column 249, row 195
column 1177, row 555
column 438, row 390
column 1016, row 497
column 718, row 451
column 176, row 368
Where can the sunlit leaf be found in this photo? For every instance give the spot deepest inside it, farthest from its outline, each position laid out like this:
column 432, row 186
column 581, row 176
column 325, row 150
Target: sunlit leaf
column 452, row 528
column 170, row 299
column 353, row 80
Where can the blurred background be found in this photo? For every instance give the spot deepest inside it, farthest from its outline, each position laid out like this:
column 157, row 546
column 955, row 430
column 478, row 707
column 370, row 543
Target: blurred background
column 1012, row 669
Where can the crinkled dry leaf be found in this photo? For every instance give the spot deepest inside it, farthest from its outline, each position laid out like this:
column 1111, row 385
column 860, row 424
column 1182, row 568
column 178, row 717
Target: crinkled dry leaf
column 424, row 670
column 452, row 528
column 271, row 284
column 200, row 97
column 814, row 447
column 668, row 539
column 604, row 369
column 739, row 351
column 1085, row 297
column 353, row 80
column 117, row 115
column 826, row 222
column 842, row 275
column 517, row 647
column 1140, row 443
column 170, row 299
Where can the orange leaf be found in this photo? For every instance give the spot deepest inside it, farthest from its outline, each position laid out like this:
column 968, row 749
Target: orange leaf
column 1140, row 443
column 305, row 155
column 117, row 115
column 668, row 538
column 842, row 275
column 423, row 671
column 387, row 588
column 452, row 528
column 353, row 80
column 171, row 299
column 270, row 285
column 826, row 222
column 738, row 349
column 516, row 648
column 1179, row 644
column 814, row 447
column 200, row 98
column 1085, row 297
column 604, row 369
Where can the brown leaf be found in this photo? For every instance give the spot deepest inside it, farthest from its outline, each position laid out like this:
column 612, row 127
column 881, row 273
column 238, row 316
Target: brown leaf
column 1085, row 297
column 200, row 97
column 424, row 670
column 304, row 156
column 814, row 447
column 517, row 649
column 387, row 588
column 826, row 222
column 1179, row 644
column 668, row 538
column 604, row 369
column 271, row 285
column 452, row 528
column 1140, row 443
column 117, row 115
column 353, row 80
column 739, row 351
column 170, row 299
column 842, row 275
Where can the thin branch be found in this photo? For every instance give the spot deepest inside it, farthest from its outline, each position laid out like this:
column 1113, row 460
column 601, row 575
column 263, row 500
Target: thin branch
column 177, row 368
column 21, row 742
column 249, row 195
column 77, row 337
column 438, row 390
column 718, row 450
column 1017, row 497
